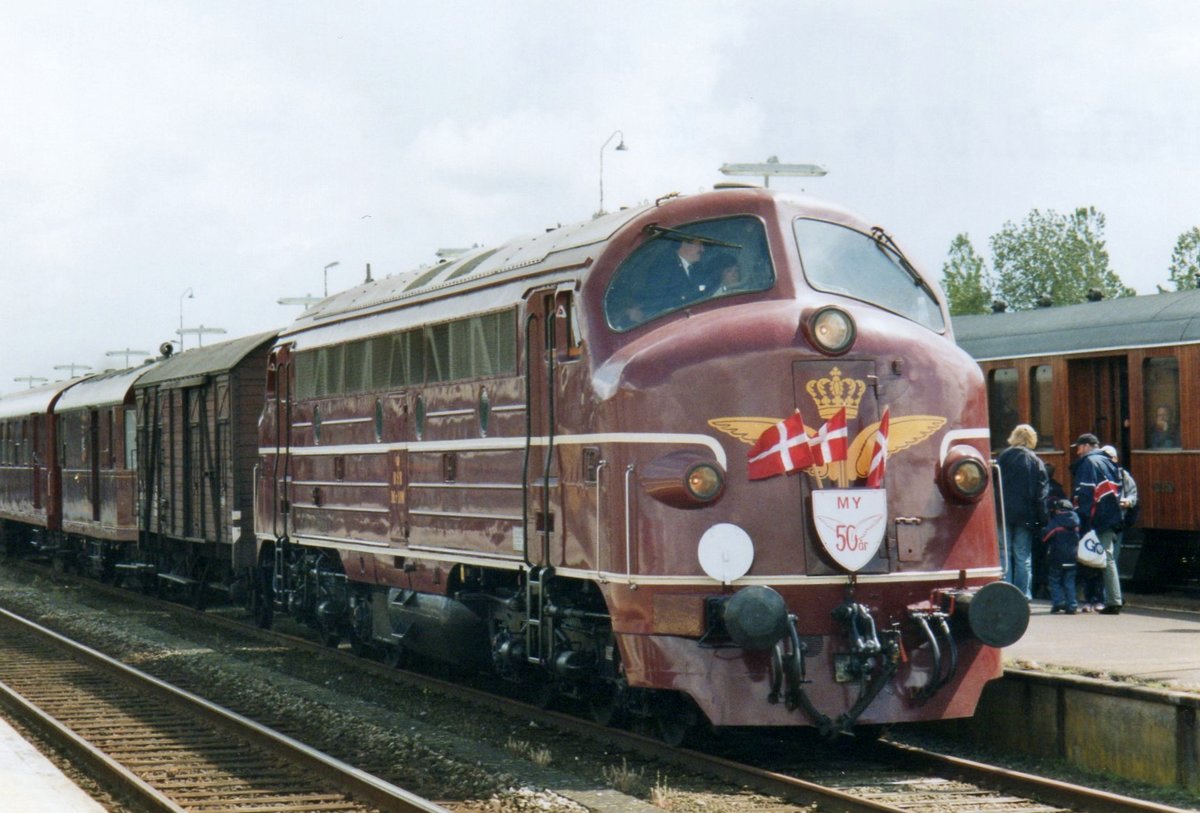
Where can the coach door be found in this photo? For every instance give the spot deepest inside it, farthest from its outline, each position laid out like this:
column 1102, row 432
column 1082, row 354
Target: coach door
column 1098, row 399
column 279, row 467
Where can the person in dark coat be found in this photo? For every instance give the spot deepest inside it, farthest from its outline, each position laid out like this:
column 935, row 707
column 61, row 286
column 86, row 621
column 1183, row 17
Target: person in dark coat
column 1024, row 490
column 1062, row 540
column 1098, row 502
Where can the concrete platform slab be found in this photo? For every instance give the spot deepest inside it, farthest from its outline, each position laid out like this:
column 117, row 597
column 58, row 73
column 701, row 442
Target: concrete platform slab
column 1143, row 643
column 30, row 783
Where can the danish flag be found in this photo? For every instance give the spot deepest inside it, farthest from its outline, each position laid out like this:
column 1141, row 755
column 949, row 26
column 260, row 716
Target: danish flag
column 829, row 444
column 780, row 449
column 879, row 457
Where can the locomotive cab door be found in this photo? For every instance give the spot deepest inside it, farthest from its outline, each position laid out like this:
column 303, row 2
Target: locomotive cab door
column 541, row 480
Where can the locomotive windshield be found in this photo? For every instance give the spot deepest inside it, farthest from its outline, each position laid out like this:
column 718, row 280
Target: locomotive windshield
column 867, row 267
column 679, row 267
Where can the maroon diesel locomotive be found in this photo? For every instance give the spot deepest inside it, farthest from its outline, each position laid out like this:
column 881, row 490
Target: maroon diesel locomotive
column 715, row 458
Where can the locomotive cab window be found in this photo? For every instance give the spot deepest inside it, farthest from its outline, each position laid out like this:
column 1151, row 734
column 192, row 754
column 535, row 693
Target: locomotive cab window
column 840, row 260
column 1160, row 402
column 686, row 265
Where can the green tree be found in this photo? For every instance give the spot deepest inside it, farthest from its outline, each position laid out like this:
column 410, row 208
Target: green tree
column 1053, row 257
column 1185, row 260
column 965, row 279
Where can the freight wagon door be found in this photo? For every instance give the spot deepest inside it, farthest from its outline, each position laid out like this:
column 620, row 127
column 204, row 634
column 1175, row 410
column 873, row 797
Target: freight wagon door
column 543, row 345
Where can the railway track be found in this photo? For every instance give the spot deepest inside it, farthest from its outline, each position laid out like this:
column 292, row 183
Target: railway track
column 880, row 777
column 167, row 748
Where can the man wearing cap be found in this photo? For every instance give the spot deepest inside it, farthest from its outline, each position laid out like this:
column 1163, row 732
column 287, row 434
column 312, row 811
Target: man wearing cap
column 1097, row 492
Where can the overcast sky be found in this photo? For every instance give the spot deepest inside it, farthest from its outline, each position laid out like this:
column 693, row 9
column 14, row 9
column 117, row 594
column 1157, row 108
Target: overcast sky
column 236, row 148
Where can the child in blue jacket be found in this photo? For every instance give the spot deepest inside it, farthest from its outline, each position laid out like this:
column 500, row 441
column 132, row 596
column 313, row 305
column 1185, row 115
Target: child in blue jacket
column 1062, row 542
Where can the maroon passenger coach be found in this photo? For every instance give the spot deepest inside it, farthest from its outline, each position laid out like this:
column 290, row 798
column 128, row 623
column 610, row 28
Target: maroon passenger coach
column 714, row 458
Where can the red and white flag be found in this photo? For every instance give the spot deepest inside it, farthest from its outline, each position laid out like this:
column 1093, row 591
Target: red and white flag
column 781, row 449
column 879, row 457
column 829, row 444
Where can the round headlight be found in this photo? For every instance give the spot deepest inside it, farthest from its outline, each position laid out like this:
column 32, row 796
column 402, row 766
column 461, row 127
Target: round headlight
column 968, row 478
column 832, row 330
column 704, row 482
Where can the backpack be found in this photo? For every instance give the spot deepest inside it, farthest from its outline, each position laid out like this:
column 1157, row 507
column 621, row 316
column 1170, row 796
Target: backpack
column 1130, row 516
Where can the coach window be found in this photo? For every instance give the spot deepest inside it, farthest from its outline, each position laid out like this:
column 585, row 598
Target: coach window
column 1160, row 402
column 131, row 438
column 1002, row 404
column 1041, row 398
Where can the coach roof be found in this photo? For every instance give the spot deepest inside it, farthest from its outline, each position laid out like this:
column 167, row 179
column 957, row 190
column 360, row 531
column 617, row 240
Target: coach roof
column 104, row 389
column 204, row 361
column 1135, row 321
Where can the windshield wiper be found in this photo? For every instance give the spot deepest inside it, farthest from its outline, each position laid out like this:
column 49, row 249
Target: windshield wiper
column 884, row 242
column 687, row 237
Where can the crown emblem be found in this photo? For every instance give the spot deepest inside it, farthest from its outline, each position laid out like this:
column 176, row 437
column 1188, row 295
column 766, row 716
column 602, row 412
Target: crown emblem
column 832, row 393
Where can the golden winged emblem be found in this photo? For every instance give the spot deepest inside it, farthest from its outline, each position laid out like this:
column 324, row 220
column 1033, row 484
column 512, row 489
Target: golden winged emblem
column 903, row 432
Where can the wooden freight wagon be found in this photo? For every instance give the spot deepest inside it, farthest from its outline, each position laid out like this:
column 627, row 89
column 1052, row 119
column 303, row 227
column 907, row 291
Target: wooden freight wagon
column 198, row 445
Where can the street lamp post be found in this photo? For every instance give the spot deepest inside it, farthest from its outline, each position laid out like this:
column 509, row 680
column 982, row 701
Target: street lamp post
column 772, row 167
column 306, row 300
column 188, row 293
column 621, row 148
column 199, row 331
column 327, row 267
column 128, row 354
column 71, row 368
column 32, row 380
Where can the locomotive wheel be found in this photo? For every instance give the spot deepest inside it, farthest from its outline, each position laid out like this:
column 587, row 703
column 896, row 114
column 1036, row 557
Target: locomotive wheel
column 674, row 721
column 542, row 694
column 672, row 729
column 360, row 647
column 263, row 598
column 605, row 705
column 395, row 656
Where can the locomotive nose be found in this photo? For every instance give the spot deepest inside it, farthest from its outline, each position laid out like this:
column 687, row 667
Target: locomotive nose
column 756, row 617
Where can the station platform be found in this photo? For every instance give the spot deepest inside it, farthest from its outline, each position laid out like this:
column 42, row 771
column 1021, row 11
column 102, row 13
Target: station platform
column 1151, row 641
column 32, row 783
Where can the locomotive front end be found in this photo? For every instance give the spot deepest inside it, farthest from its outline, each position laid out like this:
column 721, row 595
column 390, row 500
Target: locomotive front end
column 833, row 559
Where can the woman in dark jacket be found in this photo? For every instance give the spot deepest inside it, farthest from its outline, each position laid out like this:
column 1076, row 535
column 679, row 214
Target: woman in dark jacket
column 1024, row 489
